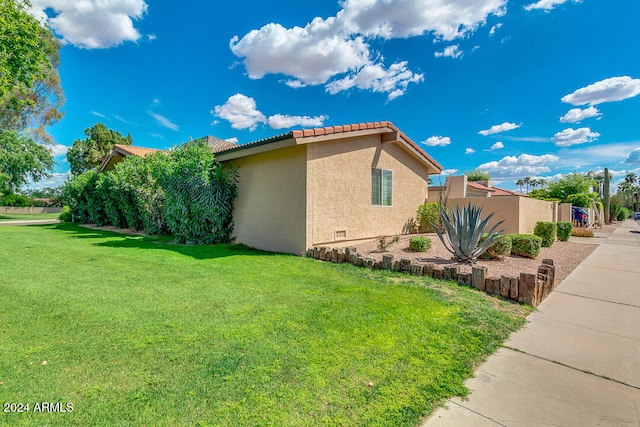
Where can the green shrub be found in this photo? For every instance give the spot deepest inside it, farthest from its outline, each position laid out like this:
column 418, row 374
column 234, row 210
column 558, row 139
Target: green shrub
column 582, row 200
column 546, row 230
column 16, row 200
column 623, row 214
column 525, row 245
column 419, row 244
column 65, row 214
column 384, row 241
column 428, row 214
column 499, row 250
column 564, row 230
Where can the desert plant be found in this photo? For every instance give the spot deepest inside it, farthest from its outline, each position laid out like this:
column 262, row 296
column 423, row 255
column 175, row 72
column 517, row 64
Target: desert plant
column 606, row 196
column 419, row 244
column 546, row 230
column 525, row 245
column 564, row 230
column 499, row 250
column 427, row 214
column 623, row 214
column 582, row 232
column 385, row 242
column 463, row 229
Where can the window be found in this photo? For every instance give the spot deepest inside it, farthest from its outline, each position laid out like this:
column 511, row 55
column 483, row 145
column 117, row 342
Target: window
column 381, row 187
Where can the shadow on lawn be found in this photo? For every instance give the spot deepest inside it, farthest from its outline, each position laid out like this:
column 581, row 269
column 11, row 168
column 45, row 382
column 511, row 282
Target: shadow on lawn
column 127, row 241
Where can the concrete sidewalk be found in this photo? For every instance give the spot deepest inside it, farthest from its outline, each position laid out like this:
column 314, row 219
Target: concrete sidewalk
column 577, row 361
column 30, row 222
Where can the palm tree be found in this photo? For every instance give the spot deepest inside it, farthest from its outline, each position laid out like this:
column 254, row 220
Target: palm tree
column 520, row 183
column 542, row 182
column 527, row 182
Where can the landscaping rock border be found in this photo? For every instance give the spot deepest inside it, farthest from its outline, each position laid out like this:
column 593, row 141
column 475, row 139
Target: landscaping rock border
column 526, row 289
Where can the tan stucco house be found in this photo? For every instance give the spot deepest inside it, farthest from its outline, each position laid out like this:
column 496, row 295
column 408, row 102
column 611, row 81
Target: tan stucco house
column 327, row 186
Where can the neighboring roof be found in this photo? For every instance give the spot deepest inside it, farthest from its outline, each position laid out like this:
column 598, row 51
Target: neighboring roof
column 304, row 136
column 218, row 145
column 120, row 151
column 503, row 192
column 479, row 186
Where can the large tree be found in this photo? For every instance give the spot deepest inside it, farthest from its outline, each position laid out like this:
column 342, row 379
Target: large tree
column 88, row 153
column 30, row 93
column 21, row 159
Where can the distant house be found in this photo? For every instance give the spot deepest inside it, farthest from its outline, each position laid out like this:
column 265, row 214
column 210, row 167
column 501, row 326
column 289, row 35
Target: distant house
column 327, row 186
column 519, row 212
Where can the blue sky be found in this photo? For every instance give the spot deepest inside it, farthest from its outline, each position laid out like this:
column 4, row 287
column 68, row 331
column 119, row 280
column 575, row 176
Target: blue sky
column 516, row 88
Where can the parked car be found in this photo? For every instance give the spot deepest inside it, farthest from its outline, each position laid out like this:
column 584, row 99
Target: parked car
column 636, row 215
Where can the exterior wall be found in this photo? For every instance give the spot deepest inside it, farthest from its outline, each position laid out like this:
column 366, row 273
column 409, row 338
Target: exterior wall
column 564, row 212
column 270, row 210
column 339, row 189
column 28, row 210
column 457, row 186
column 520, row 214
column 506, row 208
column 532, row 211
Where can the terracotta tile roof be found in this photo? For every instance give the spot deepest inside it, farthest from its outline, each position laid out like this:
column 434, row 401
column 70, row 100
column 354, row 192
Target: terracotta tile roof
column 331, row 130
column 479, row 186
column 218, row 145
column 136, row 151
column 503, row 192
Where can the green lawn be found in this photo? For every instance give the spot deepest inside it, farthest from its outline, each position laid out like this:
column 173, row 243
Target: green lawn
column 138, row 332
column 16, row 217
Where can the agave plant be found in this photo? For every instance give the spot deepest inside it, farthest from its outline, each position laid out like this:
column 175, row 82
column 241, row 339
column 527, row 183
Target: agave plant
column 464, row 229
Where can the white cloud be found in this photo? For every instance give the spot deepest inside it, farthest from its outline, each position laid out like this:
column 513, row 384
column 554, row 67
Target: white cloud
column 102, row 116
column 241, row 112
column 633, row 158
column 57, row 150
column 280, row 121
column 92, row 24
column 547, row 4
column 55, row 180
column 593, row 156
column 577, row 114
column 445, row 19
column 607, row 90
column 447, row 172
column 335, row 52
column 374, row 77
column 572, row 136
column 506, row 126
column 232, row 139
column 497, row 146
column 437, row 141
column 452, row 51
column 469, row 151
column 495, row 28
column 523, row 165
column 164, row 121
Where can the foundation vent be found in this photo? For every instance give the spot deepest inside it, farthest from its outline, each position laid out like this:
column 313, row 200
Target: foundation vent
column 340, row 234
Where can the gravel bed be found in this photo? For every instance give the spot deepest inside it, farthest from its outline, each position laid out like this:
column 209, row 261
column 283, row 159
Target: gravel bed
column 566, row 256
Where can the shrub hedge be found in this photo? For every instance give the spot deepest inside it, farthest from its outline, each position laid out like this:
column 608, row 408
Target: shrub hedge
column 623, row 214
column 419, row 244
column 525, row 245
column 546, row 230
column 564, row 230
column 185, row 193
column 499, row 250
column 428, row 214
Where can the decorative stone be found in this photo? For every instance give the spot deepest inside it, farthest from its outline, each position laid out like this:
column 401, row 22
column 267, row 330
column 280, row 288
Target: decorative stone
column 417, row 269
column 309, row 253
column 378, row 265
column 359, row 261
column 550, row 272
column 526, row 288
column 396, row 265
column 334, row 255
column 464, row 278
column 450, row 272
column 353, row 259
column 547, row 261
column 505, row 286
column 387, row 262
column 405, row 264
column 428, row 269
column 492, row 285
column 478, row 276
column 347, row 252
column 438, row 273
column 513, row 288
column 340, row 257
column 368, row 262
